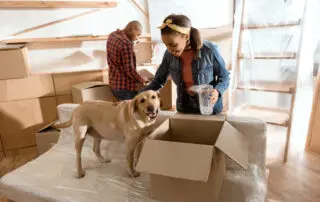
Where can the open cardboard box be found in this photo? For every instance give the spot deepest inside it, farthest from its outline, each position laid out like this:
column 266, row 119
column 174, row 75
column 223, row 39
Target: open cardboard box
column 185, row 157
column 46, row 137
column 92, row 91
column 14, row 61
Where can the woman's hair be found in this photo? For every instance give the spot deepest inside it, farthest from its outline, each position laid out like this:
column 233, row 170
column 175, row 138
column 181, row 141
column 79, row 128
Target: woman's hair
column 184, row 21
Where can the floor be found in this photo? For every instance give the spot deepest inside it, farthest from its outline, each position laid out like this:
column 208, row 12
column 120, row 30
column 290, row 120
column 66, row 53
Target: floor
column 296, row 181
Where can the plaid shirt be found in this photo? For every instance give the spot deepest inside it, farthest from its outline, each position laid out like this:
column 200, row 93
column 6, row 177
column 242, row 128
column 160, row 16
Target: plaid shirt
column 122, row 62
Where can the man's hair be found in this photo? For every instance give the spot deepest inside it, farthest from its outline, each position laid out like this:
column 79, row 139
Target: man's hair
column 135, row 24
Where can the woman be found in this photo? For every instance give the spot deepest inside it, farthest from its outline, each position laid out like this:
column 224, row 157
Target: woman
column 189, row 61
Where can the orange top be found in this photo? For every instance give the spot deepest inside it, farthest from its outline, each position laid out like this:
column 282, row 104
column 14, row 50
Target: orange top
column 186, row 60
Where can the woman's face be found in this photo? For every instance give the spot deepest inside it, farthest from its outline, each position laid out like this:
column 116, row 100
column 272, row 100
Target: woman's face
column 175, row 43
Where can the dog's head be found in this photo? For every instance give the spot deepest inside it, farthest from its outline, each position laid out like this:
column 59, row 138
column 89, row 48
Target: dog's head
column 147, row 105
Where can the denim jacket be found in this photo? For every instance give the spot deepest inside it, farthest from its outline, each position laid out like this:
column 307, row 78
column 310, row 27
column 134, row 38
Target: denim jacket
column 208, row 68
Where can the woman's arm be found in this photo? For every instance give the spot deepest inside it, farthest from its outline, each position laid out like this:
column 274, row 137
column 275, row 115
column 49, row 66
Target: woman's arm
column 220, row 70
column 161, row 74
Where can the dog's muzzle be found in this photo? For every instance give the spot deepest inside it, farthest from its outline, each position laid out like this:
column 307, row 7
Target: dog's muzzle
column 152, row 115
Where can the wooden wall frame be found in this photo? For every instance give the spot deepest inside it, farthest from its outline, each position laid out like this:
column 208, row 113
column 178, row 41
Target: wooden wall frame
column 58, row 4
column 142, row 39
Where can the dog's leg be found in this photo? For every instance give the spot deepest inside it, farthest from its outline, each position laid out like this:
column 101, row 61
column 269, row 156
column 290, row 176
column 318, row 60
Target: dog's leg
column 137, row 152
column 130, row 148
column 80, row 133
column 97, row 151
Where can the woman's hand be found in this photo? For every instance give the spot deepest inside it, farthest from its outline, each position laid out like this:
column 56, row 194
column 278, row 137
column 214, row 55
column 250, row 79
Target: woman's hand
column 214, row 96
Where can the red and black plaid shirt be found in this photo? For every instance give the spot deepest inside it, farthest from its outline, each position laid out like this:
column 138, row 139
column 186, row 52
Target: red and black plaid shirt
column 122, row 62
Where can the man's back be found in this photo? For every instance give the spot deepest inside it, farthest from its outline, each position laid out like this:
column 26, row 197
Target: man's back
column 122, row 62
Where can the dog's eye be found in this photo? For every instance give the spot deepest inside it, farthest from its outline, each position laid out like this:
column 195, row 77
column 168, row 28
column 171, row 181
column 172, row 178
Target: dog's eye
column 153, row 97
column 142, row 100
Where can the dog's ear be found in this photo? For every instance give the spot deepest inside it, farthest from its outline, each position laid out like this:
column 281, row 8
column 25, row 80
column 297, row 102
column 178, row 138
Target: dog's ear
column 134, row 104
column 132, row 107
column 159, row 97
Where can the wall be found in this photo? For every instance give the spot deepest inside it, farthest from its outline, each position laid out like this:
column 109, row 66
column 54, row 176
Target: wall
column 31, row 102
column 69, row 56
column 203, row 14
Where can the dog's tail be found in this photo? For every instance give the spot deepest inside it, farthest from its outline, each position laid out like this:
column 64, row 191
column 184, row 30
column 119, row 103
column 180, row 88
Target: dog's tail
column 64, row 124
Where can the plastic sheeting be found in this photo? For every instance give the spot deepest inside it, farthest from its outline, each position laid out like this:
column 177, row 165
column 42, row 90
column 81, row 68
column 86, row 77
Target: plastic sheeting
column 273, row 61
column 271, row 30
column 51, row 177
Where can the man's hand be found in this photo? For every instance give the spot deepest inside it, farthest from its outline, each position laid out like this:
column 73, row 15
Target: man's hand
column 146, row 82
column 214, row 96
column 140, row 86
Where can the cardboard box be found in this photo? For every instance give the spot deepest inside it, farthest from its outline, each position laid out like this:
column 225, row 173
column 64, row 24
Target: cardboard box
column 46, row 137
column 63, row 82
column 143, row 52
column 168, row 93
column 29, row 153
column 225, row 101
column 92, row 91
column 185, row 157
column 1, row 156
column 14, row 62
column 19, row 120
column 62, row 99
column 1, row 146
column 27, row 88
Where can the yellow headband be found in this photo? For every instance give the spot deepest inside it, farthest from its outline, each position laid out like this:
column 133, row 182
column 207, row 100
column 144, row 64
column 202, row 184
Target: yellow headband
column 168, row 23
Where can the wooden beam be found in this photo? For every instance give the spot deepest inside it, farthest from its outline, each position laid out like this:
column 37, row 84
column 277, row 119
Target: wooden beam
column 140, row 8
column 285, row 55
column 217, row 33
column 272, row 116
column 58, row 4
column 55, row 22
column 264, row 26
column 145, row 38
column 267, row 86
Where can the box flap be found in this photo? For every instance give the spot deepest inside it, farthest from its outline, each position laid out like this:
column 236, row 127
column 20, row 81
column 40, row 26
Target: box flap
column 87, row 85
column 48, row 127
column 174, row 159
column 160, row 131
column 181, row 116
column 11, row 46
column 146, row 74
column 234, row 144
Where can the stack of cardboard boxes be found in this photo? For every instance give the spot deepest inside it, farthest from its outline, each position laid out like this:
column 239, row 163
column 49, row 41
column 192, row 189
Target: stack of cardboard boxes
column 28, row 102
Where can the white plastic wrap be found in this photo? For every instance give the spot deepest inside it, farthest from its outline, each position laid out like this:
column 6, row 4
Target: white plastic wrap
column 51, row 177
column 271, row 56
column 272, row 77
column 253, row 185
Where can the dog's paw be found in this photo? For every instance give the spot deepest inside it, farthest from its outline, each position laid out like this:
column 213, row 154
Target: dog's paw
column 80, row 174
column 104, row 160
column 134, row 174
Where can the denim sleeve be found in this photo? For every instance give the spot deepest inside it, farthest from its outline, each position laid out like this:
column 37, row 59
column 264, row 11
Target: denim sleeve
column 161, row 74
column 220, row 71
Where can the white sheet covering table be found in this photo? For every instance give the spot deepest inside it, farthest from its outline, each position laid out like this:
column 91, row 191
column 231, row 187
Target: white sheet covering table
column 51, row 177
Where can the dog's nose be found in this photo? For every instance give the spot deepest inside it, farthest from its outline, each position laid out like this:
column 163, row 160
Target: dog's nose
column 150, row 109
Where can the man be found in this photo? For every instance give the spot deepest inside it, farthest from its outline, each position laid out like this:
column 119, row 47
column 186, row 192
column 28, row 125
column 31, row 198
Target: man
column 123, row 76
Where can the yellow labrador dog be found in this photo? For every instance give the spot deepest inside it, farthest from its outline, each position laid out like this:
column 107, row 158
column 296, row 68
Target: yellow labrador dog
column 126, row 121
